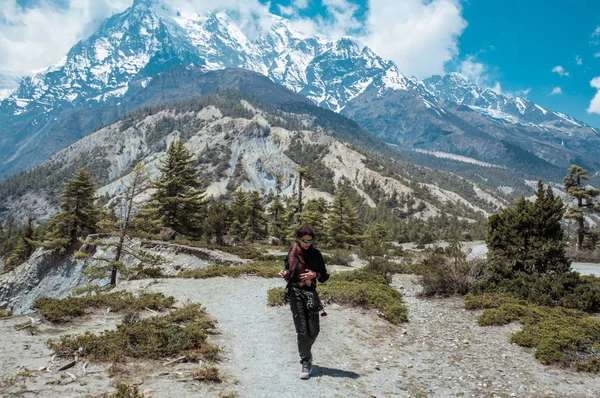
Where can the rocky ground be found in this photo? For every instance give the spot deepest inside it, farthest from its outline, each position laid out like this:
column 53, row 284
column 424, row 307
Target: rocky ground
column 441, row 352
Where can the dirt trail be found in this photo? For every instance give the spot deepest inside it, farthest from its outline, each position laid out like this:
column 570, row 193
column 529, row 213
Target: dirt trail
column 441, row 352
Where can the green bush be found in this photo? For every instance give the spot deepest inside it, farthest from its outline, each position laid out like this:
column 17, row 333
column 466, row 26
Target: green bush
column 559, row 335
column 366, row 290
column 340, row 257
column 207, row 374
column 446, row 272
column 243, row 251
column 276, row 297
column 263, row 269
column 4, row 313
column 62, row 310
column 126, row 391
column 565, row 289
column 163, row 336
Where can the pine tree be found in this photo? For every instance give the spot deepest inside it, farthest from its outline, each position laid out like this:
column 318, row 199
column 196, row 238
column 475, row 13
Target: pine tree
column 314, row 214
column 343, row 223
column 218, row 222
column 585, row 197
column 78, row 216
column 178, row 199
column 529, row 235
column 276, row 213
column 24, row 248
column 256, row 223
column 238, row 228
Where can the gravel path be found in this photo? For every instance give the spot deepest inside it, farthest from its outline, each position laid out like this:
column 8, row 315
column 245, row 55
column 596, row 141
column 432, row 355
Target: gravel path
column 441, row 352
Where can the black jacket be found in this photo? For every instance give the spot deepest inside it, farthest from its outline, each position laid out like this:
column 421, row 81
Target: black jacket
column 313, row 260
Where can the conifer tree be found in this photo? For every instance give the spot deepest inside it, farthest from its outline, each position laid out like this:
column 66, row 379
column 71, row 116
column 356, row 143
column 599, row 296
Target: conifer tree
column 78, row 214
column 24, row 248
column 585, row 198
column 529, row 235
column 291, row 221
column 276, row 212
column 343, row 223
column 238, row 228
column 178, row 199
column 314, row 214
column 218, row 222
column 256, row 223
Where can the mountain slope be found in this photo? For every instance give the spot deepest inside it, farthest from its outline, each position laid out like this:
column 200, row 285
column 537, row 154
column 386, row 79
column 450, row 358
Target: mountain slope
column 239, row 140
column 54, row 108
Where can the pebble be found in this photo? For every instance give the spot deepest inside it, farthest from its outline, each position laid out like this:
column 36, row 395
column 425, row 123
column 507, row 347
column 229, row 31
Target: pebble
column 148, row 391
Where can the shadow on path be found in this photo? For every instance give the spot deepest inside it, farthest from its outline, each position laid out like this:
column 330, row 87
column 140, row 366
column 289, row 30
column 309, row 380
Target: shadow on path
column 318, row 371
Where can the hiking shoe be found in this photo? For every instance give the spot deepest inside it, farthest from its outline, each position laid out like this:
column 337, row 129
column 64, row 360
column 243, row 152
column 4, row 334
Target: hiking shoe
column 305, row 373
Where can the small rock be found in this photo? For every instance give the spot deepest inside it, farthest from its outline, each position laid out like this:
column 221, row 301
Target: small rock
column 148, row 391
column 549, row 392
column 465, row 341
column 377, row 366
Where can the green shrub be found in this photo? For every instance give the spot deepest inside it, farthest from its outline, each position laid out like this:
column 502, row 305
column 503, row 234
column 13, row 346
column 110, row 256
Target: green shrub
column 566, row 289
column 163, row 336
column 276, row 297
column 340, row 257
column 243, row 251
column 79, row 255
column 207, row 374
column 559, row 335
column 126, row 391
column 366, row 290
column 263, row 269
column 446, row 272
column 62, row 310
column 4, row 313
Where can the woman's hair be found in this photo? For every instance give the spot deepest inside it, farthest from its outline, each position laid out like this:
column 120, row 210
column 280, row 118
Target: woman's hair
column 305, row 230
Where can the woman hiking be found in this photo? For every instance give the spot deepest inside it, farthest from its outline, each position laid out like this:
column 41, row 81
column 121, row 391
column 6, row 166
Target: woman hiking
column 304, row 266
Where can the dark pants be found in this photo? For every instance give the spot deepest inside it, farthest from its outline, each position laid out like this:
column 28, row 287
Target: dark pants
column 307, row 325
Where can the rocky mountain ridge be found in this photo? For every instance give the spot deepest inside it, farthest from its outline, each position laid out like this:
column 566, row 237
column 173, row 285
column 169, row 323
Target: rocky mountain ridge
column 56, row 107
column 243, row 142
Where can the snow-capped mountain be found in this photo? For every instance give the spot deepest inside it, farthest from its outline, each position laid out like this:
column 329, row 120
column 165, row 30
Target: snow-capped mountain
column 457, row 88
column 149, row 38
column 54, row 108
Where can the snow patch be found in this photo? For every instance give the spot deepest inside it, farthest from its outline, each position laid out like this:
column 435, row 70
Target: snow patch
column 460, row 158
column 541, row 109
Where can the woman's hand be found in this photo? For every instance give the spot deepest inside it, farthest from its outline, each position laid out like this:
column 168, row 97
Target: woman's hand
column 308, row 275
column 283, row 273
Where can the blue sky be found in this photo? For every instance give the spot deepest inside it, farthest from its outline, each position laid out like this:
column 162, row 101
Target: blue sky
column 514, row 46
column 510, row 45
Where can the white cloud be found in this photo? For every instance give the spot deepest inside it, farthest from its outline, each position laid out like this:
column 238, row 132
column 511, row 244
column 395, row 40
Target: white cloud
column 286, row 11
column 33, row 38
column 578, row 60
column 418, row 35
column 560, row 70
column 597, row 55
column 474, row 71
column 596, row 36
column 301, row 4
column 556, row 90
column 480, row 74
column 595, row 104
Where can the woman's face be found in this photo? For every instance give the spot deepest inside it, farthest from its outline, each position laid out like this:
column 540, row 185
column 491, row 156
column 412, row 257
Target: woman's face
column 305, row 241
